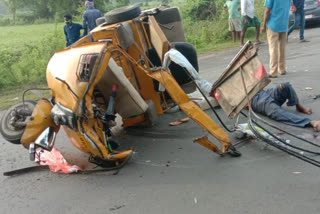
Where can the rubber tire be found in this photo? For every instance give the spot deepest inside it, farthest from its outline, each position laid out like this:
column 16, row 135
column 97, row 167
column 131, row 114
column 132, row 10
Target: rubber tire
column 177, row 71
column 14, row 136
column 100, row 21
column 190, row 53
column 122, row 14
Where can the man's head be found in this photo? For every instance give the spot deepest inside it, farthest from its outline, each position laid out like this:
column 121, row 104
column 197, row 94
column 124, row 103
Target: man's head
column 68, row 19
column 89, row 4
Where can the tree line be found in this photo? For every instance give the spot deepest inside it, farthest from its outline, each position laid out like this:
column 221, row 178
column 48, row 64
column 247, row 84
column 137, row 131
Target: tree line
column 48, row 9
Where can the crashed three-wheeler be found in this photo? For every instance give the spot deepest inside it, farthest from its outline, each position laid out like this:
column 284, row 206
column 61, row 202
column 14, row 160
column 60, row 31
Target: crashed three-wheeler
column 125, row 67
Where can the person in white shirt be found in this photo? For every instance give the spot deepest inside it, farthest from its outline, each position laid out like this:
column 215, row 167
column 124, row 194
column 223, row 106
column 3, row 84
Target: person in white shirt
column 249, row 20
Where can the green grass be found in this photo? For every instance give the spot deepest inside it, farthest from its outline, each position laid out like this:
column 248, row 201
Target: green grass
column 10, row 96
column 15, row 37
column 250, row 35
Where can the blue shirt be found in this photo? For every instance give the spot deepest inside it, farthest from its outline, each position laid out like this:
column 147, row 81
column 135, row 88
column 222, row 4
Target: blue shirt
column 279, row 16
column 299, row 4
column 72, row 34
column 89, row 18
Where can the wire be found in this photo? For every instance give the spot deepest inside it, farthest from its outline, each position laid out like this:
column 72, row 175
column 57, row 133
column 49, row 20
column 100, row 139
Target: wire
column 30, row 89
column 273, row 143
column 207, row 100
column 275, row 127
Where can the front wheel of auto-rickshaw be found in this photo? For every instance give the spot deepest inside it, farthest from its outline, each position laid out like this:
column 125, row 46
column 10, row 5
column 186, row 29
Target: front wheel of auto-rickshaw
column 12, row 123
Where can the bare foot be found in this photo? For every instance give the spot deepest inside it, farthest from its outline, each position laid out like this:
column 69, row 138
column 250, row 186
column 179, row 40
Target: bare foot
column 316, row 125
column 303, row 109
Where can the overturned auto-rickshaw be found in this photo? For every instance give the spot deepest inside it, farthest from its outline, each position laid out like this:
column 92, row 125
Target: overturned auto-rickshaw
column 131, row 64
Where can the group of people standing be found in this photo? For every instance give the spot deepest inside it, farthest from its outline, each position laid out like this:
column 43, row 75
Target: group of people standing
column 239, row 23
column 275, row 24
column 89, row 17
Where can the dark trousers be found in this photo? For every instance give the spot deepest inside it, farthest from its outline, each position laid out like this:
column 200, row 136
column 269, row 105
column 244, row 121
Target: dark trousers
column 299, row 20
column 269, row 103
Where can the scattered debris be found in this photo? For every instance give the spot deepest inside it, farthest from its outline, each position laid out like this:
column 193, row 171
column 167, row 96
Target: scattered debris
column 308, row 88
column 116, row 207
column 195, row 200
column 296, row 172
column 316, row 97
column 148, row 161
column 179, row 121
column 55, row 161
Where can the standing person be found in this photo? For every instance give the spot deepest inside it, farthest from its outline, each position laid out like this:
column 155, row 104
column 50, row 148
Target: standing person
column 233, row 7
column 71, row 30
column 299, row 20
column 89, row 17
column 275, row 22
column 249, row 20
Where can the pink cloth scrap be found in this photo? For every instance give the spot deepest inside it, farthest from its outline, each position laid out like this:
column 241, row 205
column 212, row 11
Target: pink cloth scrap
column 55, row 161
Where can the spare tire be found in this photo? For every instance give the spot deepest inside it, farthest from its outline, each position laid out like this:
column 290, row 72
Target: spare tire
column 100, row 20
column 122, row 14
column 9, row 132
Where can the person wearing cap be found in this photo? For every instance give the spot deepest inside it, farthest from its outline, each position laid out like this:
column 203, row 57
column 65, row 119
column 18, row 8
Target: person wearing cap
column 89, row 17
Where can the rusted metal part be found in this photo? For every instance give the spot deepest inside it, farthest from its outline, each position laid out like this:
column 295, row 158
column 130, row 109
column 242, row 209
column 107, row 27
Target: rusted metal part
column 127, row 122
column 19, row 118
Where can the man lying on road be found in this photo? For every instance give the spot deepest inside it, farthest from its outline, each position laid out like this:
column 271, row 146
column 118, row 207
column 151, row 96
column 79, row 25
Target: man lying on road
column 268, row 102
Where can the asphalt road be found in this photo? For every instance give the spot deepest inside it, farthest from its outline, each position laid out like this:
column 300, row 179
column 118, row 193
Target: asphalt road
column 171, row 174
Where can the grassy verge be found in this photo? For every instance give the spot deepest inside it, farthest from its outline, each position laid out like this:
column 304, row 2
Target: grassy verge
column 13, row 95
column 227, row 44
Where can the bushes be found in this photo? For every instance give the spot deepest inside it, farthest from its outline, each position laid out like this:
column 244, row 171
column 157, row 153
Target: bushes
column 212, row 28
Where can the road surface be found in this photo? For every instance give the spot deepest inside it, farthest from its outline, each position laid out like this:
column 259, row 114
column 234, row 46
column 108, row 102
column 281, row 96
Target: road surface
column 171, row 174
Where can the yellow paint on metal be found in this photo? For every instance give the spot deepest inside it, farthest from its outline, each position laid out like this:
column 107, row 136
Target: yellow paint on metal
column 41, row 119
column 190, row 108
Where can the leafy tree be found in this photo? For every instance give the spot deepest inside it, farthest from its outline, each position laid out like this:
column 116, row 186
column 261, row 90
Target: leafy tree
column 202, row 9
column 13, row 5
column 39, row 8
column 121, row 3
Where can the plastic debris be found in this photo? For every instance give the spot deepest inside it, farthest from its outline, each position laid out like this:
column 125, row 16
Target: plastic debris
column 195, row 200
column 55, row 161
column 296, row 172
column 244, row 128
column 308, row 88
column 175, row 56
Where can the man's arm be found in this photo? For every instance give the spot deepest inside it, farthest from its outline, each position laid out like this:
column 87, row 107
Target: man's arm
column 225, row 7
column 243, row 7
column 84, row 24
column 67, row 40
column 267, row 11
